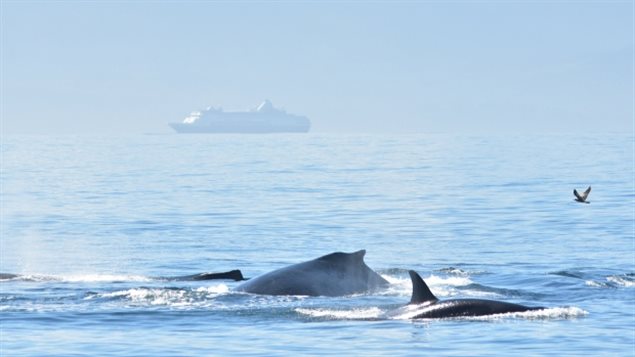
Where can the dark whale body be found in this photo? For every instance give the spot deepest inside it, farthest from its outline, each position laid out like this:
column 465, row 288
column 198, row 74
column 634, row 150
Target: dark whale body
column 434, row 308
column 229, row 275
column 335, row 274
column 236, row 275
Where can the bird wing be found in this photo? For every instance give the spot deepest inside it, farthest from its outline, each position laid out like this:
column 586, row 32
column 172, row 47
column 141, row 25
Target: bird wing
column 577, row 195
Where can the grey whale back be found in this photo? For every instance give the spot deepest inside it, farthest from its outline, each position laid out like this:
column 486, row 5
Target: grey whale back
column 335, row 274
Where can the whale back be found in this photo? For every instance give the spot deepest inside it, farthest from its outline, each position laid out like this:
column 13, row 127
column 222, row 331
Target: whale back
column 335, row 274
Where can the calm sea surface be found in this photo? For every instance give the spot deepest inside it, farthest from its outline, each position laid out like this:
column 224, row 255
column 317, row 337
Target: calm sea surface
column 93, row 226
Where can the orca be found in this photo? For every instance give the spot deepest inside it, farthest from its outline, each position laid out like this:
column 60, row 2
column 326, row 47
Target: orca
column 431, row 307
column 335, row 274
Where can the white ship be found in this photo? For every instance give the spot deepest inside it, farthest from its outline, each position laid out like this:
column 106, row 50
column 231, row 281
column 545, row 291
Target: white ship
column 264, row 119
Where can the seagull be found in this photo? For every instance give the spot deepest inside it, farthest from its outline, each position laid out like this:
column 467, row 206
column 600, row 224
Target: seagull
column 582, row 197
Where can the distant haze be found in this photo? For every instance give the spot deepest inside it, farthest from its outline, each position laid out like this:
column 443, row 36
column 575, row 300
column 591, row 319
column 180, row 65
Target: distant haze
column 376, row 67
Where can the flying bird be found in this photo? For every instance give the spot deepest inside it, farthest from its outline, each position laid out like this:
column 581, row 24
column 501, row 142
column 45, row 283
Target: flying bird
column 582, row 197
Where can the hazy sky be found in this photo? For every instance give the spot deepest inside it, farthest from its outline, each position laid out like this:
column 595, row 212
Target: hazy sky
column 406, row 67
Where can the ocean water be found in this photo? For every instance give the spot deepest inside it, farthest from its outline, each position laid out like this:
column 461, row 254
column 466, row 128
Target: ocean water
column 93, row 227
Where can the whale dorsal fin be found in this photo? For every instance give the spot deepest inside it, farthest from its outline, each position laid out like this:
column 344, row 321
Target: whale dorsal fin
column 339, row 256
column 420, row 291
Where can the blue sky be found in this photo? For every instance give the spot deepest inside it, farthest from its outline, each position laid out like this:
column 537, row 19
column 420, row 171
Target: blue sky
column 364, row 67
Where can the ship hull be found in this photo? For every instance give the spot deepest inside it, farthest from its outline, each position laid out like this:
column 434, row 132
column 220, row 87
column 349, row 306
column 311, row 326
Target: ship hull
column 235, row 129
column 258, row 125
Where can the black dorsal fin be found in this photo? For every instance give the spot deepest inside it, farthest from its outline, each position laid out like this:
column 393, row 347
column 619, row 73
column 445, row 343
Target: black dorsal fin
column 420, row 291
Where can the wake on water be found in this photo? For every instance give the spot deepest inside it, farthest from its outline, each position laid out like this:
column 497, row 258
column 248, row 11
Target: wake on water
column 76, row 278
column 376, row 313
column 220, row 297
column 442, row 287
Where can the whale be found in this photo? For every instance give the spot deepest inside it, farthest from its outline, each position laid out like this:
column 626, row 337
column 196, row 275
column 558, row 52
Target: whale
column 235, row 275
column 335, row 274
column 426, row 305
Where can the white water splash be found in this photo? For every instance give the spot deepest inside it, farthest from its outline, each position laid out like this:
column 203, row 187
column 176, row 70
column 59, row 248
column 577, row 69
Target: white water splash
column 410, row 312
column 621, row 281
column 216, row 289
column 84, row 278
column 398, row 286
column 434, row 280
column 550, row 313
column 167, row 297
column 354, row 314
column 148, row 295
column 442, row 287
column 99, row 278
column 406, row 312
column 595, row 284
